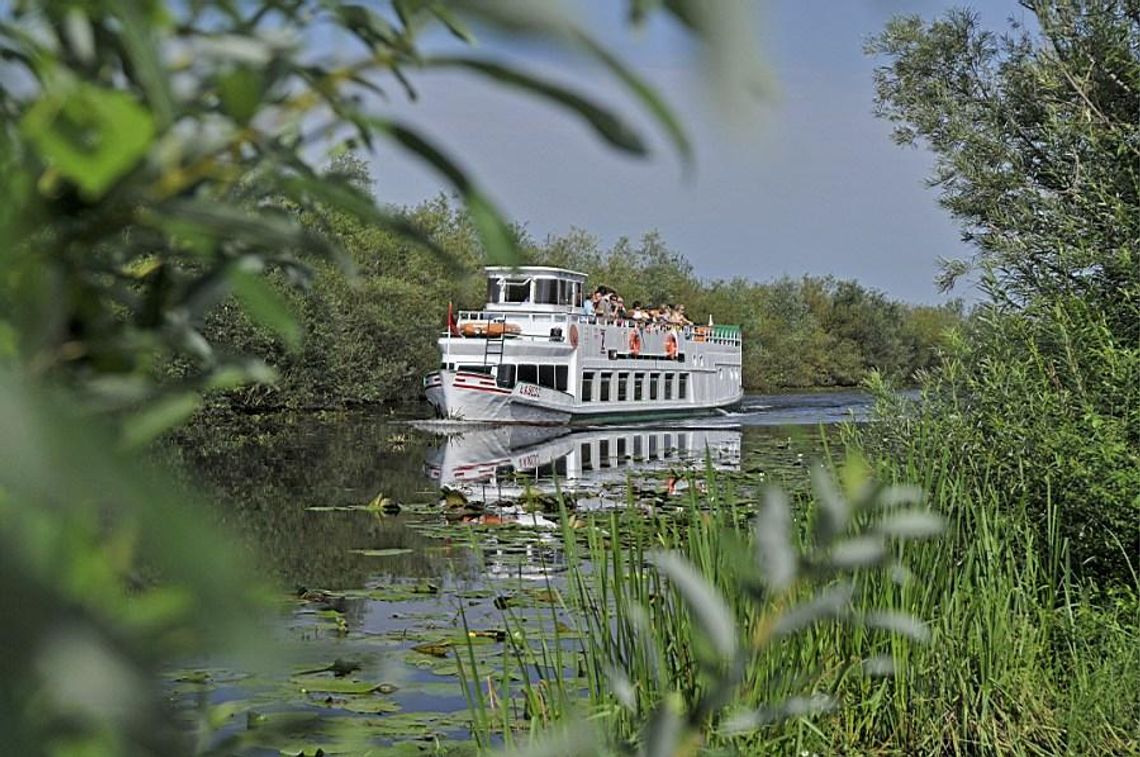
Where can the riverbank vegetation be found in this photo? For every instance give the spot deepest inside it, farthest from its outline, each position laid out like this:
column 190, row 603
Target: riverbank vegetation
column 134, row 209
column 371, row 339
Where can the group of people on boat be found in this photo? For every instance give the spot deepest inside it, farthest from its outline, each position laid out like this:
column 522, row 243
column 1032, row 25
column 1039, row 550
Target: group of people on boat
column 607, row 304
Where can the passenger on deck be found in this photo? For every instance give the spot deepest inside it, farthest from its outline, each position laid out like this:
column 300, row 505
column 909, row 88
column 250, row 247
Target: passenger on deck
column 638, row 313
column 618, row 306
column 684, row 319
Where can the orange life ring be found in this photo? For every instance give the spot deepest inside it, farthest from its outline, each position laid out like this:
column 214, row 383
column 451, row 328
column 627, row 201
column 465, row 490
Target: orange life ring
column 574, row 335
column 634, row 342
column 670, row 345
column 493, row 329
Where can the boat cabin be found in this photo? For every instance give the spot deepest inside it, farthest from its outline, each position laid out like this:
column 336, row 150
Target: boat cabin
column 534, row 288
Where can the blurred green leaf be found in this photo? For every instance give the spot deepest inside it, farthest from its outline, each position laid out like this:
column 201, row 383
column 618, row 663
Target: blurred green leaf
column 91, row 135
column 138, row 38
column 159, row 417
column 240, row 90
column 649, row 97
column 912, row 524
column 775, row 553
column 707, row 606
column 266, row 306
column 498, row 242
column 605, row 123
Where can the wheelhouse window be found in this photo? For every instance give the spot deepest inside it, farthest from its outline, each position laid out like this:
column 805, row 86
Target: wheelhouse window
column 528, row 373
column 546, row 291
column 653, row 380
column 587, row 387
column 546, row 375
column 683, row 387
column 517, row 291
column 668, row 386
column 506, row 375
column 623, row 387
column 561, row 377
column 494, row 289
column 638, row 386
column 604, row 387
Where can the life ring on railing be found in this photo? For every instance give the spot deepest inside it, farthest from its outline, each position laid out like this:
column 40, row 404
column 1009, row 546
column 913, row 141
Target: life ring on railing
column 574, row 335
column 635, row 342
column 490, row 330
column 671, row 346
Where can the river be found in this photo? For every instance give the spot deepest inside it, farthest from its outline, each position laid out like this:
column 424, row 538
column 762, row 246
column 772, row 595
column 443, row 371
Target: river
column 385, row 533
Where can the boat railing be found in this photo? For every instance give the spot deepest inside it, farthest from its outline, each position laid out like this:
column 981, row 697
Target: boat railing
column 728, row 335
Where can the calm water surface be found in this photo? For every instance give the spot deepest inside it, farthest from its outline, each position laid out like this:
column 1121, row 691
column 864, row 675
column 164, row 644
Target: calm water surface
column 386, row 533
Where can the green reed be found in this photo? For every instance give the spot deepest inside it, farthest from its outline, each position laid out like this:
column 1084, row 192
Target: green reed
column 1013, row 654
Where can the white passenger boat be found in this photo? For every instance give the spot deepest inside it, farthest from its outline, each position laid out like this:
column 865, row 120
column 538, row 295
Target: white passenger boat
column 534, row 355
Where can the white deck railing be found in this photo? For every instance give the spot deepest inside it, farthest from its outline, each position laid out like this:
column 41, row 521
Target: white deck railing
column 726, row 335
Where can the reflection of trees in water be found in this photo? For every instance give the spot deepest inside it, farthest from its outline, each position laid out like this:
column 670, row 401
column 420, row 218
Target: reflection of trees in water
column 264, row 472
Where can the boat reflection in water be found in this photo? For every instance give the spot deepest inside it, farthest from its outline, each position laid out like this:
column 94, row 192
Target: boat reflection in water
column 512, row 475
column 510, row 466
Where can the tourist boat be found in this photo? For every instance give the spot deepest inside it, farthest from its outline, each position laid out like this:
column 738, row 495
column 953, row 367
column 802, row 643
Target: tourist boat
column 534, row 355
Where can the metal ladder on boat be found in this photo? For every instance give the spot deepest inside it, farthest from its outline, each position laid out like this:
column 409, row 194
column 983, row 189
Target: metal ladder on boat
column 493, row 347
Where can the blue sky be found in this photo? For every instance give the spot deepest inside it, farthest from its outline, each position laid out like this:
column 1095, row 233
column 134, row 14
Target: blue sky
column 808, row 181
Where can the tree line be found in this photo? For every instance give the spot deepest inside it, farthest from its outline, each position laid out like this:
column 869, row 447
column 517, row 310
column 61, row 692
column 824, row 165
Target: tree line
column 369, row 338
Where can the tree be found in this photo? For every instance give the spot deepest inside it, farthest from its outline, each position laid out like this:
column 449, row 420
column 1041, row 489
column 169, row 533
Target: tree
column 1037, row 146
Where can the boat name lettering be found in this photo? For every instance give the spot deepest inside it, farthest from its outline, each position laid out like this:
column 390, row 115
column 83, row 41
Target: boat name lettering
column 529, row 390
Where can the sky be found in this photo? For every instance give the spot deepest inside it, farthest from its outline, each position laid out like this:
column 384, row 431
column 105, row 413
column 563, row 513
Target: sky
column 806, row 181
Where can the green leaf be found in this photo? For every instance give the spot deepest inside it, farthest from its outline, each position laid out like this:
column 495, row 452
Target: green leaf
column 240, row 91
column 494, row 233
column 457, row 28
column 912, row 524
column 142, row 51
column 266, row 306
column 158, row 417
column 380, row 552
column 342, row 196
column 498, row 241
column 92, row 136
column 708, row 608
column 605, row 123
column 775, row 553
column 648, row 96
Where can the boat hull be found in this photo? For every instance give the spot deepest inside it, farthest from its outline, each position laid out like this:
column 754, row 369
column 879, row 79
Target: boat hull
column 474, row 397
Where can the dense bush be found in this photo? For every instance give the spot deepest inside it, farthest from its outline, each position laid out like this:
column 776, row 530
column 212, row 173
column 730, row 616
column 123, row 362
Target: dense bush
column 1036, row 156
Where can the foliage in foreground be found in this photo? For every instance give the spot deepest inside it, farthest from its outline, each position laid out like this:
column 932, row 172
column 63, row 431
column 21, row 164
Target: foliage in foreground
column 1022, row 656
column 158, row 158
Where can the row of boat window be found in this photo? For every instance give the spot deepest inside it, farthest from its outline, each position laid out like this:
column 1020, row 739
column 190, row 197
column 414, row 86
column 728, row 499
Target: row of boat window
column 659, row 386
column 552, row 376
column 610, row 453
column 596, row 386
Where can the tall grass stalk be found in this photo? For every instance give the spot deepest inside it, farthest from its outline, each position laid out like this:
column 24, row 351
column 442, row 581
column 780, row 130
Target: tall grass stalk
column 1013, row 666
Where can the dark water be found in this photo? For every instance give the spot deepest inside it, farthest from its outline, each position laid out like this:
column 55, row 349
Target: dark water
column 384, row 533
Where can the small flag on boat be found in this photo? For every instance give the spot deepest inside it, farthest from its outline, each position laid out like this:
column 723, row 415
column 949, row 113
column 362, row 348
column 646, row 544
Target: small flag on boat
column 452, row 323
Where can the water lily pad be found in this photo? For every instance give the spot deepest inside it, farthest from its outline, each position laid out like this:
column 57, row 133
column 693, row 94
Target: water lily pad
column 333, row 685
column 381, row 552
column 438, row 649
